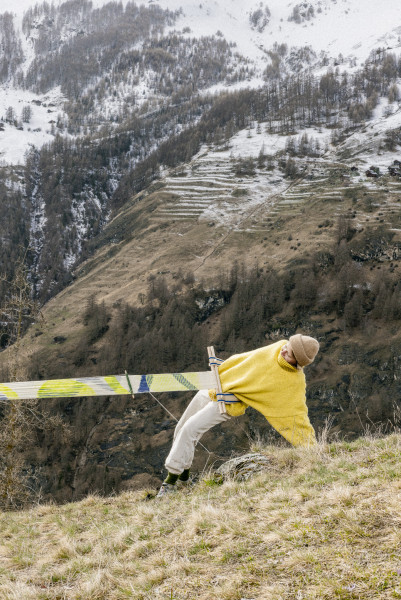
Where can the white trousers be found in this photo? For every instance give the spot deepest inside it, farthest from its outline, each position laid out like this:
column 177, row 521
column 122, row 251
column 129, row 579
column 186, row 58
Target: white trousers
column 200, row 415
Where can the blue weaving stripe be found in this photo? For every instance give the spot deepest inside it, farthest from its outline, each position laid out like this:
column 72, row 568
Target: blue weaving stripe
column 220, row 398
column 143, row 386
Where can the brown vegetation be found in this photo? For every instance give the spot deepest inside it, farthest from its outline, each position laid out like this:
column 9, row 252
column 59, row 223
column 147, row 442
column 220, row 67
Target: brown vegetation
column 318, row 524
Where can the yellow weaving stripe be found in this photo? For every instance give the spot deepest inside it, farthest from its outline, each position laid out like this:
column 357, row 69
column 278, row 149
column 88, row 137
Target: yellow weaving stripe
column 7, row 392
column 68, row 388
column 115, row 385
column 171, row 381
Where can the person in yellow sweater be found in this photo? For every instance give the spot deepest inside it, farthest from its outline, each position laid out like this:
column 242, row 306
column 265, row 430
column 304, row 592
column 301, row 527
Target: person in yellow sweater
column 269, row 379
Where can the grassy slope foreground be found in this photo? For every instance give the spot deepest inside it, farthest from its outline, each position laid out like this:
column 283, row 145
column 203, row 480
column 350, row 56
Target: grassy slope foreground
column 321, row 523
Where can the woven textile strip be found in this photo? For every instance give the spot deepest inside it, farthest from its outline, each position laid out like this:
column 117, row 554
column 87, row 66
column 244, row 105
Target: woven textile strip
column 112, row 385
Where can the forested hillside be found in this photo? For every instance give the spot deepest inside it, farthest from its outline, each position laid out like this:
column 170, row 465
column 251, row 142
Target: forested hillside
column 111, row 140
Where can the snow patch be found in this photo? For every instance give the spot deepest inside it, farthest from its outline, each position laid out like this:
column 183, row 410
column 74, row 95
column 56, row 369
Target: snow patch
column 15, row 140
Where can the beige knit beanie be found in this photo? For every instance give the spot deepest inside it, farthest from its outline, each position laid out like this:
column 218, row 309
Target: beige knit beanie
column 304, row 348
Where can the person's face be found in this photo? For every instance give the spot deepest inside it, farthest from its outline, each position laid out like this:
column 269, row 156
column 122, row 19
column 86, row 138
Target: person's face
column 288, row 355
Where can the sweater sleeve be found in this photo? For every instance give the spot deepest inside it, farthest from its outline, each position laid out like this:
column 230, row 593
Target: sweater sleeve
column 296, row 429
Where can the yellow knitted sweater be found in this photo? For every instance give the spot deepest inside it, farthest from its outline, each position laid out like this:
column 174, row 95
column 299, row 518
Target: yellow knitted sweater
column 264, row 380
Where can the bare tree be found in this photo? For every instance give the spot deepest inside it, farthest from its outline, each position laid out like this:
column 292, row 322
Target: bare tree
column 10, row 115
column 18, row 418
column 26, row 113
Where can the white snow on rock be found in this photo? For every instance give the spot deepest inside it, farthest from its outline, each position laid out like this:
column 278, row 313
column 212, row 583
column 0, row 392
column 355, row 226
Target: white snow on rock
column 15, row 140
column 348, row 27
column 248, row 142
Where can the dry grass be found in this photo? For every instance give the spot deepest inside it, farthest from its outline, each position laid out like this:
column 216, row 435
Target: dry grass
column 321, row 523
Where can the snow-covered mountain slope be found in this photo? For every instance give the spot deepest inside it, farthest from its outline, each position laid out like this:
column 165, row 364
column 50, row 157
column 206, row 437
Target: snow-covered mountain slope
column 348, row 27
column 125, row 93
column 19, row 7
column 342, row 32
column 44, row 111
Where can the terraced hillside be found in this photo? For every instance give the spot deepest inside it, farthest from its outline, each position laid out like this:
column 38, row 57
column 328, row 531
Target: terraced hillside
column 209, row 191
column 203, row 217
